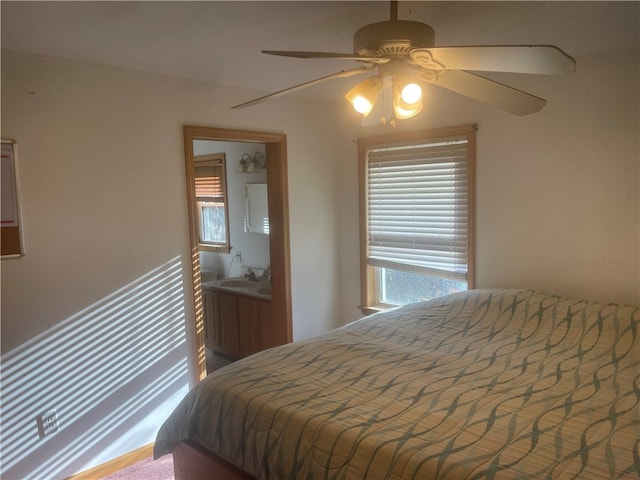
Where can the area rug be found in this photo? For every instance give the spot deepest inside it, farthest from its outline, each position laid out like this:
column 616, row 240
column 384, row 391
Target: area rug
column 147, row 469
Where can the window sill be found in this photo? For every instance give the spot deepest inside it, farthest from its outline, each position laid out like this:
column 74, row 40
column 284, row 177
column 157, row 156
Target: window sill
column 371, row 310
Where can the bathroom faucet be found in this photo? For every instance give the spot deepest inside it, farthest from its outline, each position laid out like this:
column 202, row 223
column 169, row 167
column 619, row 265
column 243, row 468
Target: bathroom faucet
column 266, row 274
column 251, row 275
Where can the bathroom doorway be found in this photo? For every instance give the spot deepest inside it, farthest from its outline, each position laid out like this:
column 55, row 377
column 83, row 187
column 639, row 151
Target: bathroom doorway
column 275, row 161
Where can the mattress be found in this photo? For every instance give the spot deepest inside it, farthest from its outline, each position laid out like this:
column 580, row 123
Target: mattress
column 479, row 384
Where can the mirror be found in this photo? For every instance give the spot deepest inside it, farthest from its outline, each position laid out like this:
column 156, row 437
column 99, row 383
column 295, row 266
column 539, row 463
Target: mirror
column 256, row 219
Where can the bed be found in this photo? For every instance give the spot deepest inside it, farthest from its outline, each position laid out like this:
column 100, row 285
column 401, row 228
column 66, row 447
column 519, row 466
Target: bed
column 484, row 384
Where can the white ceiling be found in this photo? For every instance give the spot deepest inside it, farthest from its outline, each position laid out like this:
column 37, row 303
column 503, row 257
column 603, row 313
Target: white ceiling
column 220, row 42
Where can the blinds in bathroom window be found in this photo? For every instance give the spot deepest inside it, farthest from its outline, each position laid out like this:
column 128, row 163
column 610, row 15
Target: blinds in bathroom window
column 209, row 181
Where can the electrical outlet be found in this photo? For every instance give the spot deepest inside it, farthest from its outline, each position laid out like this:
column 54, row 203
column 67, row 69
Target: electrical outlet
column 47, row 423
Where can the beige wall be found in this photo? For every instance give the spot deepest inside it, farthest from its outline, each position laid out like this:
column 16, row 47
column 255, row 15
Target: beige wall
column 561, row 211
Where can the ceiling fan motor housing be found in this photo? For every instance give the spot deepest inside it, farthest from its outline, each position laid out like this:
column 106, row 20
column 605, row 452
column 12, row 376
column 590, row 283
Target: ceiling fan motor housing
column 392, row 38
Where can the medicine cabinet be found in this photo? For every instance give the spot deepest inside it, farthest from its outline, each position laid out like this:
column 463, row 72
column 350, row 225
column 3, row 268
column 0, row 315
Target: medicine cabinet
column 256, row 218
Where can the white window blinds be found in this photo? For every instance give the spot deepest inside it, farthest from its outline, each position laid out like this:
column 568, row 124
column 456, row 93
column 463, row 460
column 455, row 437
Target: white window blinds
column 418, row 206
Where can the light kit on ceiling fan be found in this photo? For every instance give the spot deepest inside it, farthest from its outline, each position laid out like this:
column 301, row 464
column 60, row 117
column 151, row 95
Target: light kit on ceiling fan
column 404, row 52
column 406, row 96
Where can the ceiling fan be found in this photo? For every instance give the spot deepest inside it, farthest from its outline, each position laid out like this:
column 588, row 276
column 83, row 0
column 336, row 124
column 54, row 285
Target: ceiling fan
column 403, row 55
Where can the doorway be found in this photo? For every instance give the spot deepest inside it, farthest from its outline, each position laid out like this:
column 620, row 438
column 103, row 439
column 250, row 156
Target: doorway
column 278, row 210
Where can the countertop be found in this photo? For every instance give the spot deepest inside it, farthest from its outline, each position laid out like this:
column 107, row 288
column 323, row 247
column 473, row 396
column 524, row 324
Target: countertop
column 257, row 288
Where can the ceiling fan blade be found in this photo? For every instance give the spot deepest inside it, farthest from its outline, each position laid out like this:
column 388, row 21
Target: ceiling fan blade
column 343, row 56
column 536, row 59
column 488, row 91
column 341, row 74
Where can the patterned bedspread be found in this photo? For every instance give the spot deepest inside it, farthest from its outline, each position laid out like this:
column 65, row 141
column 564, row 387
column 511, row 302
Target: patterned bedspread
column 484, row 384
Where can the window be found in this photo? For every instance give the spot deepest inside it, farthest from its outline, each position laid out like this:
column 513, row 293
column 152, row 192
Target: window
column 416, row 215
column 211, row 202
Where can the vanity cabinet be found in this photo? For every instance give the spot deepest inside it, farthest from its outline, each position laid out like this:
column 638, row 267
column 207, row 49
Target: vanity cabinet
column 236, row 325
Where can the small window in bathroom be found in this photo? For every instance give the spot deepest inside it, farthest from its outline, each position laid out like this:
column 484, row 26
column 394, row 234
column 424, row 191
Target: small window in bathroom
column 211, row 202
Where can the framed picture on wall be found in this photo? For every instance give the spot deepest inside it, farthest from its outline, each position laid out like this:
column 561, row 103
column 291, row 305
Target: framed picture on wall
column 10, row 221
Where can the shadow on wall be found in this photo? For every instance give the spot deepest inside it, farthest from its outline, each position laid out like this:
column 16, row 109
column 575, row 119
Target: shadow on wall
column 112, row 373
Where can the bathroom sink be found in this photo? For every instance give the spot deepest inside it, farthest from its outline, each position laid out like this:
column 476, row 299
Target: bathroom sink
column 264, row 290
column 237, row 282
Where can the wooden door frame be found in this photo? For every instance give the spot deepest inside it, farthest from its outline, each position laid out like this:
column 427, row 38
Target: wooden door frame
column 279, row 249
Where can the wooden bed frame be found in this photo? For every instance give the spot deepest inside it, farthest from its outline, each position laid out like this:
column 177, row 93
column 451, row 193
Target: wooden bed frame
column 192, row 462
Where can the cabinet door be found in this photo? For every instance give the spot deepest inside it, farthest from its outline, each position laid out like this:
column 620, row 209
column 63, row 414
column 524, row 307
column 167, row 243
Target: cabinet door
column 268, row 336
column 248, row 332
column 210, row 304
column 229, row 324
